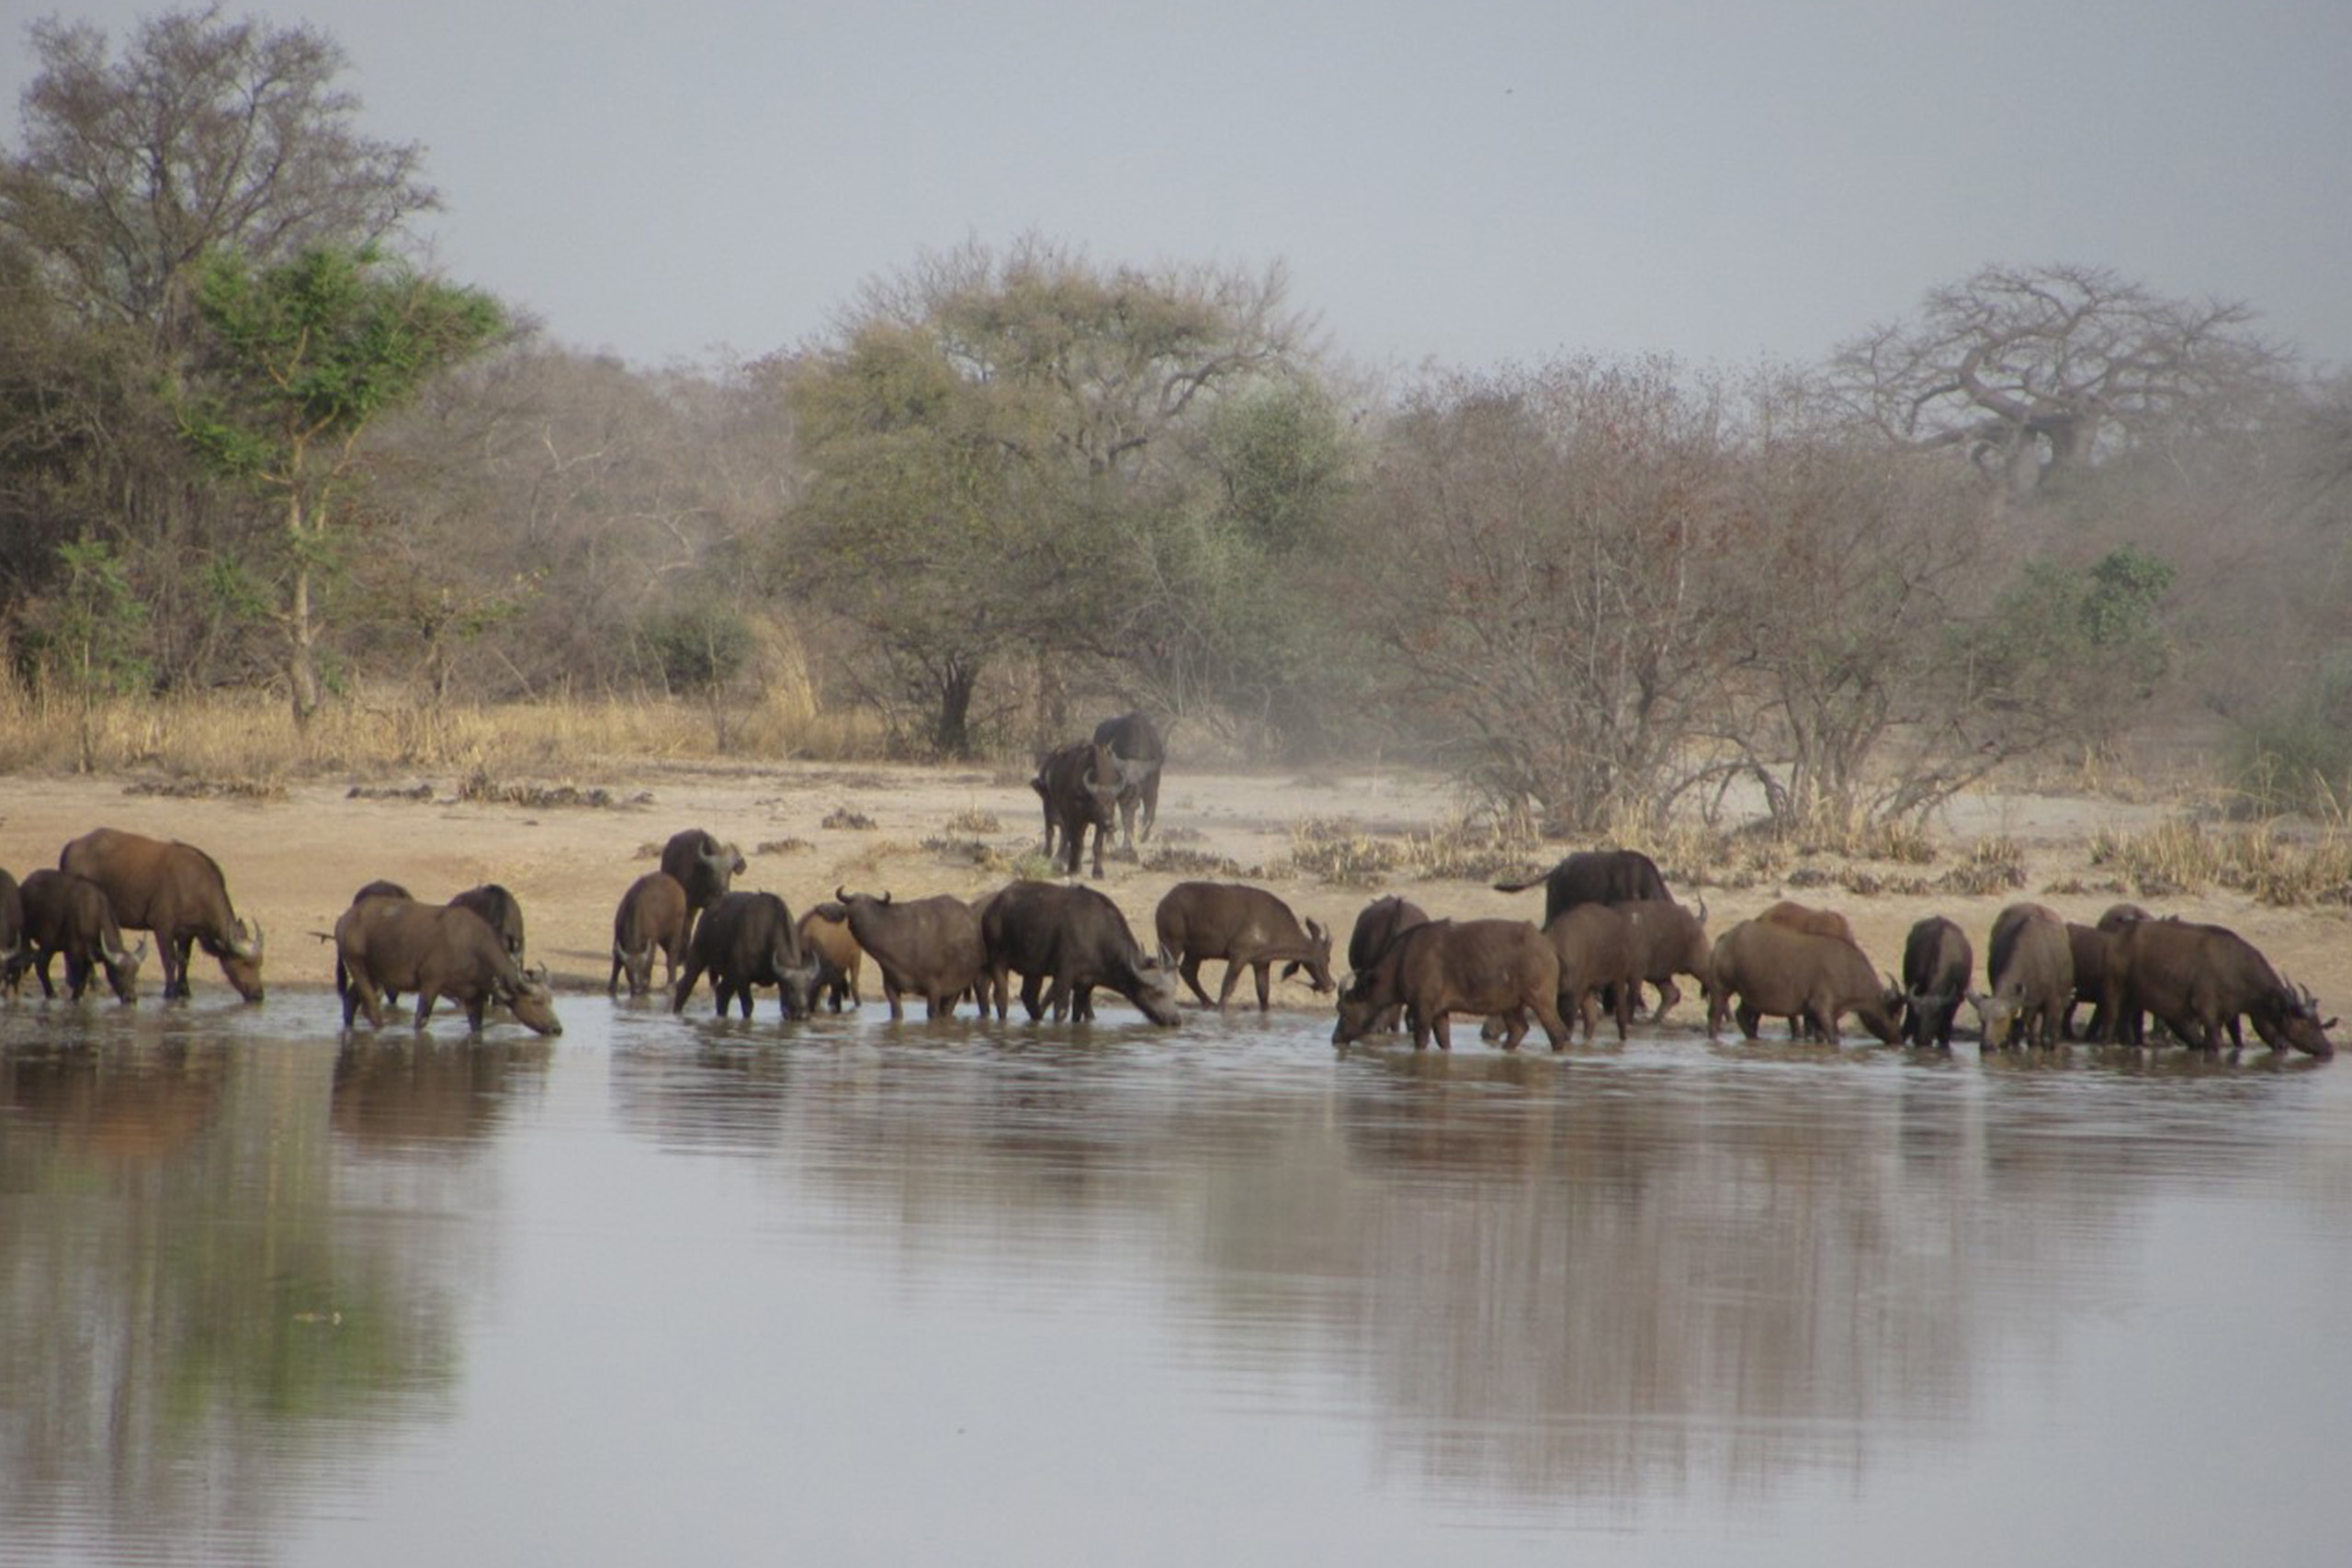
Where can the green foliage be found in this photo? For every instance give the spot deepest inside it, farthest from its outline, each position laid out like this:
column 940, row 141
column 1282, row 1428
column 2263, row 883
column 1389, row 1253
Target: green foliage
column 2295, row 754
column 700, row 647
column 94, row 628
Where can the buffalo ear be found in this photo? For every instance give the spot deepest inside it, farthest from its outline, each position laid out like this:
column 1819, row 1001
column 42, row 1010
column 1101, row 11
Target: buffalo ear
column 2329, row 1024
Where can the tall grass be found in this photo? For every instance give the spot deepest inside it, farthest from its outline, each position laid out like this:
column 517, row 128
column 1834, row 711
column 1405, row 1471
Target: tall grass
column 250, row 736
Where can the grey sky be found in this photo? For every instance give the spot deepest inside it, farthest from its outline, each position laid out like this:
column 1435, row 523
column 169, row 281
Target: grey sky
column 1469, row 182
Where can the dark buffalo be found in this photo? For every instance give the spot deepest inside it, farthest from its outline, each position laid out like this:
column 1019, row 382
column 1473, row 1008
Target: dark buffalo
column 705, row 867
column 745, row 940
column 2200, row 979
column 1137, row 750
column 925, row 947
column 1595, row 876
column 1247, row 928
column 434, row 950
column 2030, row 967
column 1069, row 941
column 175, row 891
column 824, row 932
column 1503, row 969
column 1776, row 972
column 379, row 888
column 1079, row 787
column 1594, row 942
column 64, row 913
column 15, row 952
column 500, row 909
column 1380, row 923
column 1937, row 965
column 1667, row 940
column 652, row 917
column 2093, row 947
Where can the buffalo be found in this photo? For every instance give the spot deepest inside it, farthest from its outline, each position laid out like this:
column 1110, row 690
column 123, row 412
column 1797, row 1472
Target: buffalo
column 2092, row 947
column 2030, row 969
column 1595, row 876
column 925, row 947
column 1665, row 939
column 1247, row 927
column 1079, row 787
column 1937, row 964
column 745, row 940
column 1379, row 923
column 1777, row 972
column 1069, row 941
column 839, row 958
column 15, row 952
column 652, row 917
column 176, row 892
column 1595, row 945
column 2200, row 979
column 434, row 950
column 704, row 866
column 1138, row 754
column 1494, row 968
column 67, row 914
column 1805, row 917
column 500, row 909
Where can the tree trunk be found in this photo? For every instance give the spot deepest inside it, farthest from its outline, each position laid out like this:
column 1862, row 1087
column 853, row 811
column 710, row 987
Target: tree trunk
column 953, row 735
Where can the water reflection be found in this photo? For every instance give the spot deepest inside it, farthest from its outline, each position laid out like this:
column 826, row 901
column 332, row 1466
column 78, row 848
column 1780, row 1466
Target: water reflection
column 242, row 1258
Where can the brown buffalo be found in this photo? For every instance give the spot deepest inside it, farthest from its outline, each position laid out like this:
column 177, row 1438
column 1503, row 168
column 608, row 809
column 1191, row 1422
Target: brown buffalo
column 67, row 914
column 1667, row 940
column 704, row 866
column 2200, row 979
column 1079, row 787
column 1936, row 966
column 500, row 909
column 1380, row 923
column 1068, row 940
column 175, row 891
column 2030, row 966
column 2093, row 947
column 824, row 932
column 925, row 947
column 743, row 941
column 1245, row 927
column 1595, row 876
column 1776, row 972
column 1596, row 948
column 1138, row 754
column 1492, row 969
column 1805, row 917
column 15, row 952
column 434, row 950
column 652, row 917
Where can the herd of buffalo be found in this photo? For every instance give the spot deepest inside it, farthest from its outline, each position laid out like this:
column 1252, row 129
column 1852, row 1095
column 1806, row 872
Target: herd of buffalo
column 1611, row 927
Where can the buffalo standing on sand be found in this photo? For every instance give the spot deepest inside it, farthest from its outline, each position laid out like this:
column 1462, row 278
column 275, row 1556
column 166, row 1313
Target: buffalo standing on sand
column 746, row 940
column 1139, row 756
column 1247, row 928
column 67, row 914
column 176, row 892
column 1079, row 787
column 1595, row 876
column 435, row 950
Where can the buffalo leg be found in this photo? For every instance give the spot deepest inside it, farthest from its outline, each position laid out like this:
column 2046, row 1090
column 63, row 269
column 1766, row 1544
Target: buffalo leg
column 1189, row 969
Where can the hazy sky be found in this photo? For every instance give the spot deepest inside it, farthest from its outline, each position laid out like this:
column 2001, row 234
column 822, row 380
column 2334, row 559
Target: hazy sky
column 1463, row 182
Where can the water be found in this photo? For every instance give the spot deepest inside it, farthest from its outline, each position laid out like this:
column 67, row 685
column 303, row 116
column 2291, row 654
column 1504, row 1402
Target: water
column 688, row 1291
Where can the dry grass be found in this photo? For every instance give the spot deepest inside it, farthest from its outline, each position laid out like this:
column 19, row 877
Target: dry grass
column 2273, row 866
column 250, row 739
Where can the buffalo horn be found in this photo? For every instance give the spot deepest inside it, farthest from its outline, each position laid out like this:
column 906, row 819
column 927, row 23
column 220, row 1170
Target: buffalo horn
column 247, row 944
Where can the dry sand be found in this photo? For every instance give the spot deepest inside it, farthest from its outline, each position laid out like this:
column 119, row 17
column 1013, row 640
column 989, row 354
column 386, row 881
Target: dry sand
column 293, row 862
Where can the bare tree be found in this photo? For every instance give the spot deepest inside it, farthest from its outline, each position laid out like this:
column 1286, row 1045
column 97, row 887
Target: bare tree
column 2039, row 371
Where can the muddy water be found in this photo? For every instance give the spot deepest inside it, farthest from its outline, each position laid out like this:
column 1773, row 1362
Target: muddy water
column 687, row 1291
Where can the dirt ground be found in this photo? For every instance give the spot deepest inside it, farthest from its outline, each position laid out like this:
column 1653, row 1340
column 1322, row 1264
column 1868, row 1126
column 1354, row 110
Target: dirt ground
column 293, row 862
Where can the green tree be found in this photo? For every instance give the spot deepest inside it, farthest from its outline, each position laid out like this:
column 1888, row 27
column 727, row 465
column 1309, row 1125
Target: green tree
column 993, row 441
column 304, row 357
